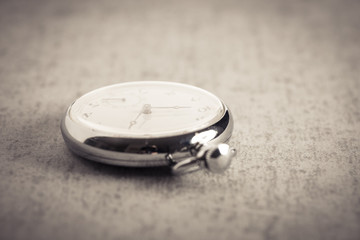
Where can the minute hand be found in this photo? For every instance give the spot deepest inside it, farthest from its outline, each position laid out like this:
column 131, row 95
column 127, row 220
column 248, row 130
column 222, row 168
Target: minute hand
column 172, row 107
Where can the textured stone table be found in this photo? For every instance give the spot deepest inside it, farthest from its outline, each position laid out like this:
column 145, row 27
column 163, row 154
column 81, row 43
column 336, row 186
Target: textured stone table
column 289, row 70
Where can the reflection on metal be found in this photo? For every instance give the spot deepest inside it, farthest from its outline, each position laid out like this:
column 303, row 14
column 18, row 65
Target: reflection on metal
column 204, row 137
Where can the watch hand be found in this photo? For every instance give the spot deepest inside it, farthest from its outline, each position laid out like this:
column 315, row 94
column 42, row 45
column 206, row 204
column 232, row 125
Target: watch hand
column 145, row 118
column 174, row 107
column 133, row 122
column 114, row 99
column 146, row 109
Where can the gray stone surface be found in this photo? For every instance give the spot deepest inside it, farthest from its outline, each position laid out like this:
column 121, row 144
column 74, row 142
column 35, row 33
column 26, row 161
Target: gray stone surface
column 289, row 70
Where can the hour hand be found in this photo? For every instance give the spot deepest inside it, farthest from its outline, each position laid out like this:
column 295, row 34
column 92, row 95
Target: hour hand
column 146, row 109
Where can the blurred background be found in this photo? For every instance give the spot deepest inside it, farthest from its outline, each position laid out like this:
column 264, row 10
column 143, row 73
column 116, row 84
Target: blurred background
column 289, row 71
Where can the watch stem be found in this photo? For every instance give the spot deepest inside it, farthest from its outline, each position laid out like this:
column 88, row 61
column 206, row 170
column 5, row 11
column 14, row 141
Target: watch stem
column 216, row 158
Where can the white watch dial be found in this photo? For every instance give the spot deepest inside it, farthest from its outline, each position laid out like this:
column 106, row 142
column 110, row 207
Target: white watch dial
column 144, row 109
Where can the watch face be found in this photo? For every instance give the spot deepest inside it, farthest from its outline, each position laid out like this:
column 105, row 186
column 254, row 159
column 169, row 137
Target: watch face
column 143, row 110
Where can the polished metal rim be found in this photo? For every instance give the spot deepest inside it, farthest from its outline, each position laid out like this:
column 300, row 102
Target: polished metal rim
column 147, row 152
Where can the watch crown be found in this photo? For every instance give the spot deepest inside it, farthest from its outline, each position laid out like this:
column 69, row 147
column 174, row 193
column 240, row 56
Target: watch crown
column 218, row 157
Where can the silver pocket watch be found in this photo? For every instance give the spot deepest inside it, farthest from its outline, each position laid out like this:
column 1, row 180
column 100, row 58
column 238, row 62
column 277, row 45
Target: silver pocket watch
column 151, row 124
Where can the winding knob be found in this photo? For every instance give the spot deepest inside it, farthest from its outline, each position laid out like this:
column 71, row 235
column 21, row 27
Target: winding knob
column 218, row 157
column 215, row 157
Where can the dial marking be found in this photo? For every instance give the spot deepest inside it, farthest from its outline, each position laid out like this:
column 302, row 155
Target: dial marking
column 87, row 115
column 204, row 109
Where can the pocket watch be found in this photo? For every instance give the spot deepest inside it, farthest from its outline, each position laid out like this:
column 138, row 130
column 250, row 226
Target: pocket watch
column 151, row 124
